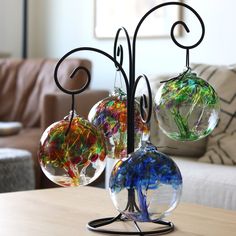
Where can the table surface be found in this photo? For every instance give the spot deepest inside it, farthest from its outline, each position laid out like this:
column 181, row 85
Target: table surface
column 66, row 211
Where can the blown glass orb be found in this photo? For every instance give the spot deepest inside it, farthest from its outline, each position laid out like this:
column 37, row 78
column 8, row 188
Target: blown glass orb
column 187, row 107
column 146, row 186
column 72, row 158
column 110, row 115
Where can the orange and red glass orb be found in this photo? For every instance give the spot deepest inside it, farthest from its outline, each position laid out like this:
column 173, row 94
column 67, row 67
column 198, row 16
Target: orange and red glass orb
column 74, row 158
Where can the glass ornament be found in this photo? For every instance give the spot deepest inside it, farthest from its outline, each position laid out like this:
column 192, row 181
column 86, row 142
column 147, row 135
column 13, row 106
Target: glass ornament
column 110, row 115
column 146, row 186
column 74, row 158
column 187, row 107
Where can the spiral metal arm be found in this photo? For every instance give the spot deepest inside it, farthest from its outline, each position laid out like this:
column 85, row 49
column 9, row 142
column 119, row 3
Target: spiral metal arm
column 131, row 85
column 171, row 32
column 80, row 68
column 119, row 52
column 117, row 64
column 146, row 116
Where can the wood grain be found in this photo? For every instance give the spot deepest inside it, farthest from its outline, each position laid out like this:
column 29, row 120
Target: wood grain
column 66, row 211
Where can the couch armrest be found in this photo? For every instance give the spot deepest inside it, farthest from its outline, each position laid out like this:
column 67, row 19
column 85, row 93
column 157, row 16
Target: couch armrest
column 57, row 105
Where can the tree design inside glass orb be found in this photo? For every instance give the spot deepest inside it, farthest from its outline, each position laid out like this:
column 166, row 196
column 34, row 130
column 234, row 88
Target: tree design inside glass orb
column 72, row 158
column 187, row 107
column 146, row 186
column 110, row 116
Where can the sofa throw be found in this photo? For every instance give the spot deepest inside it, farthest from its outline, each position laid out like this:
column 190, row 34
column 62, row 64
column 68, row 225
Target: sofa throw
column 221, row 146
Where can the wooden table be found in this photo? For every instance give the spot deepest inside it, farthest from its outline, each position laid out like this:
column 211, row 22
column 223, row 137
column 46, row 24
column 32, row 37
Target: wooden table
column 66, row 211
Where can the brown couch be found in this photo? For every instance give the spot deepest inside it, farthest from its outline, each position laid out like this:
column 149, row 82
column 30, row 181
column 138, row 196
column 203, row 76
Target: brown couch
column 28, row 94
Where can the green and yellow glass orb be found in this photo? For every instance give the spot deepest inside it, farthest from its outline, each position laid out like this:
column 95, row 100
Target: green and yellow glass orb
column 72, row 158
column 187, row 107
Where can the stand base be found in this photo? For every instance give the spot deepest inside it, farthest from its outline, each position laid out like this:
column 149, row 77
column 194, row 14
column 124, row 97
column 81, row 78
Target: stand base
column 95, row 225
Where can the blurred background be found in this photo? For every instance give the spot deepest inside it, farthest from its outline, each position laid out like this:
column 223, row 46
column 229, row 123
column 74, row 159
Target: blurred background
column 57, row 26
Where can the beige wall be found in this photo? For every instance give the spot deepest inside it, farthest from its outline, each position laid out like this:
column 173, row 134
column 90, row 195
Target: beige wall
column 10, row 27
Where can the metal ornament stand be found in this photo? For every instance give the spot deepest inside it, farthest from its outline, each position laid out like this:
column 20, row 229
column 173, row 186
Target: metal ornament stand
column 145, row 107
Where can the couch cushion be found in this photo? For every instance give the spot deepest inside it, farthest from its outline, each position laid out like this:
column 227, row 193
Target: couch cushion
column 207, row 184
column 24, row 83
column 221, row 146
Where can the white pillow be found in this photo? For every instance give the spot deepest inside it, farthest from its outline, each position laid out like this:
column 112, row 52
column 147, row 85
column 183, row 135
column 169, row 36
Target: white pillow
column 221, row 147
column 9, row 128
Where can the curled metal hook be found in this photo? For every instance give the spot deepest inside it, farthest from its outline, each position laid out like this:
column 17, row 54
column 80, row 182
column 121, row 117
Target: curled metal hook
column 120, row 55
column 73, row 92
column 72, row 75
column 144, row 105
column 187, row 30
column 85, row 86
column 118, row 51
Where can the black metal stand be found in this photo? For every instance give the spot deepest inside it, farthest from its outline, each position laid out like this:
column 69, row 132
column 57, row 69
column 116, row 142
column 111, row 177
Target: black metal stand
column 131, row 84
column 95, row 225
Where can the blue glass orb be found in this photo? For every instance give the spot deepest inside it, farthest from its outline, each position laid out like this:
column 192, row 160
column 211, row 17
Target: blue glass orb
column 146, row 186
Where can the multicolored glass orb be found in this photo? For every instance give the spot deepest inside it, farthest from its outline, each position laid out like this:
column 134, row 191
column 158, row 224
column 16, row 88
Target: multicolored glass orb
column 187, row 107
column 74, row 158
column 110, row 115
column 146, row 186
